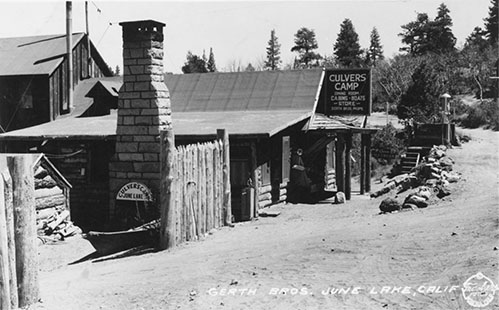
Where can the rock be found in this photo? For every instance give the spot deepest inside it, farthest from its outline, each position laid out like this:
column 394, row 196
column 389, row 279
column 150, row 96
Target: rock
column 434, row 175
column 389, row 205
column 443, row 191
column 431, row 182
column 399, row 178
column 424, row 192
column 339, row 198
column 418, row 201
column 446, row 163
column 409, row 206
column 453, row 177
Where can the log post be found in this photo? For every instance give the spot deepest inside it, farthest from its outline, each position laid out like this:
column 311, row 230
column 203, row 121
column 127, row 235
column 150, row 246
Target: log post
column 11, row 244
column 368, row 163
column 167, row 155
column 362, row 164
column 254, row 179
column 23, row 186
column 348, row 175
column 340, row 164
column 4, row 254
column 224, row 136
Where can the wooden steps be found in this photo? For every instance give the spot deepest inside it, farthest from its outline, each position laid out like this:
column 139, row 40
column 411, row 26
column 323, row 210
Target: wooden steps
column 412, row 157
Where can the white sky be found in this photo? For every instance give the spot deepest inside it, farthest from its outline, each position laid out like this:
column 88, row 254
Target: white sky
column 238, row 31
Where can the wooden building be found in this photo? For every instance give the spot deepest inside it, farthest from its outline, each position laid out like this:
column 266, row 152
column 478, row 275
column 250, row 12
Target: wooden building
column 284, row 146
column 34, row 85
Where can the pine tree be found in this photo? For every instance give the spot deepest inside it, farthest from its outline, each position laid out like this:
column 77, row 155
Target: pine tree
column 477, row 39
column 421, row 101
column 210, row 65
column 424, row 35
column 491, row 23
column 273, row 60
column 443, row 40
column 347, row 47
column 249, row 68
column 194, row 64
column 375, row 51
column 413, row 33
column 305, row 44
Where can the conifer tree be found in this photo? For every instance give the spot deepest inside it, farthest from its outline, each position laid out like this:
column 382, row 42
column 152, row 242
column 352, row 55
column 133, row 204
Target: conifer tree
column 424, row 35
column 347, row 47
column 210, row 65
column 375, row 51
column 491, row 23
column 443, row 40
column 273, row 61
column 305, row 44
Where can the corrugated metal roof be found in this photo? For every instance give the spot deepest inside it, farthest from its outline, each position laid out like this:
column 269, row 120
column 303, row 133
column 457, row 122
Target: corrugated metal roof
column 35, row 55
column 184, row 124
column 244, row 91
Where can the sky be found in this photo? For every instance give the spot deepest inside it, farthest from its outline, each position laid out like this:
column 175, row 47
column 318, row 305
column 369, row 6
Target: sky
column 238, row 31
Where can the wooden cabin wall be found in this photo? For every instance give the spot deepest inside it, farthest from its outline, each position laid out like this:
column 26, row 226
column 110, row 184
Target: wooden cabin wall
column 23, row 101
column 51, row 198
column 58, row 84
column 84, row 164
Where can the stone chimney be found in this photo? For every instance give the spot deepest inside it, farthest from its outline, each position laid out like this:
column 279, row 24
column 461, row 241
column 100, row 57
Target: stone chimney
column 143, row 111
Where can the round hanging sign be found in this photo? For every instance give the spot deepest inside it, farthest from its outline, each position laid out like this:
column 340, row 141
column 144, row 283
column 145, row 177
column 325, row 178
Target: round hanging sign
column 134, row 191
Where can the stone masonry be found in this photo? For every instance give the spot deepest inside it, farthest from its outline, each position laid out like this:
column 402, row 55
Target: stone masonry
column 143, row 110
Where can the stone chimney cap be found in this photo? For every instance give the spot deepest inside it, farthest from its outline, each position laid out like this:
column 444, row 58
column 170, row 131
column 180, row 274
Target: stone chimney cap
column 148, row 22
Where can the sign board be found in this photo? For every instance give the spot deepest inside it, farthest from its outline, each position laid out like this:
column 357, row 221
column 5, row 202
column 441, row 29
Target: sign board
column 348, row 91
column 134, row 191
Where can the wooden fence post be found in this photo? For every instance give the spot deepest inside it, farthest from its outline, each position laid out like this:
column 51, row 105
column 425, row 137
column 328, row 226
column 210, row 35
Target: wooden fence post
column 224, row 136
column 4, row 253
column 11, row 244
column 348, row 165
column 23, row 186
column 167, row 155
column 368, row 162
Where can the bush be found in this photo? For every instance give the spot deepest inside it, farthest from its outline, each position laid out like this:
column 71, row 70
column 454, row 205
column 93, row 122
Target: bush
column 388, row 138
column 484, row 114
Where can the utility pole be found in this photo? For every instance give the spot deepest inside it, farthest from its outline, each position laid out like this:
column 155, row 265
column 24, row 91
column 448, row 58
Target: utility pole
column 89, row 55
column 69, row 52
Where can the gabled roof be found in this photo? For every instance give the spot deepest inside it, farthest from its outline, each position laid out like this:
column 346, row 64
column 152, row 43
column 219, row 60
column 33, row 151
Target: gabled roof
column 36, row 55
column 244, row 91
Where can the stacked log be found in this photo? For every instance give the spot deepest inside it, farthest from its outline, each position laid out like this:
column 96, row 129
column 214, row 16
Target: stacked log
column 52, row 214
column 430, row 178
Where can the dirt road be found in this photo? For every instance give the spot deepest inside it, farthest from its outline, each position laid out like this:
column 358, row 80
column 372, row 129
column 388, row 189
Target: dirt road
column 406, row 260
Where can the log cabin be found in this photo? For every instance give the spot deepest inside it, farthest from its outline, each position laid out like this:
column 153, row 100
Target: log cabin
column 283, row 146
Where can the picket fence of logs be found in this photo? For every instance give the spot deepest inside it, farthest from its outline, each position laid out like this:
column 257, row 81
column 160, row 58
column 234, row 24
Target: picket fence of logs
column 19, row 285
column 195, row 189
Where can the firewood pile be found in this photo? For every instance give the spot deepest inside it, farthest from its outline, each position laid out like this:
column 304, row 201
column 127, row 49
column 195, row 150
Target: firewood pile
column 429, row 180
column 52, row 214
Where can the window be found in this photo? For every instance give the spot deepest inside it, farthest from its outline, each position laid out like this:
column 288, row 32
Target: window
column 265, row 173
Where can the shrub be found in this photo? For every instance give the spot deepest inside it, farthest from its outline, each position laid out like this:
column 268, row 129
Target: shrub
column 484, row 114
column 388, row 138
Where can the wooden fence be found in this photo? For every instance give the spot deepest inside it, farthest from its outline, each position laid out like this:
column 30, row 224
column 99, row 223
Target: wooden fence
column 18, row 249
column 195, row 189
